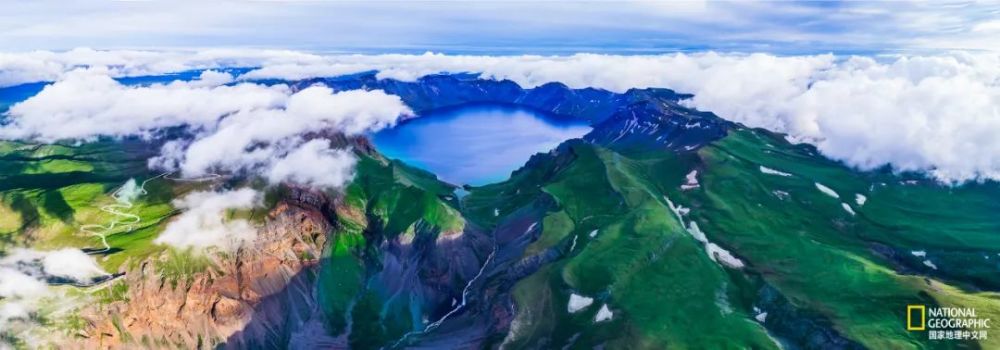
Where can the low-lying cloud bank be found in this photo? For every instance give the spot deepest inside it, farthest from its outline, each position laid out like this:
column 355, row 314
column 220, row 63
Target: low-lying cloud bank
column 936, row 113
column 24, row 288
column 233, row 128
column 41, row 66
column 204, row 222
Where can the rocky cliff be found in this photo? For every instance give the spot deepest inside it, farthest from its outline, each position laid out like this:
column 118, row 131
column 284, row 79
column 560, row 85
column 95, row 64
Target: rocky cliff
column 251, row 297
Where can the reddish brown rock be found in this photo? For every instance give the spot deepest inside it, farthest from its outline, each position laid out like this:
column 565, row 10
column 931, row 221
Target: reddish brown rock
column 216, row 305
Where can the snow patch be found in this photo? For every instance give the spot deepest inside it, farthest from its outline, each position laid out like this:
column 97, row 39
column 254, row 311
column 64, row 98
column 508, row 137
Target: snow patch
column 593, row 234
column 714, row 251
column 782, row 195
column 860, row 199
column 678, row 210
column 723, row 256
column 826, row 190
column 532, row 227
column 759, row 315
column 919, row 253
column 691, row 181
column 604, row 314
column 930, row 264
column 578, row 302
column 770, row 171
column 696, row 232
column 848, row 208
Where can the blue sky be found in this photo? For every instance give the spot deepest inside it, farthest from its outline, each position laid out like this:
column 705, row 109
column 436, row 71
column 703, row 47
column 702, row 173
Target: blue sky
column 500, row 27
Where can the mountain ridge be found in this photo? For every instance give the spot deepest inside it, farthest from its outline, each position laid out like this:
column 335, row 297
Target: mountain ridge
column 680, row 228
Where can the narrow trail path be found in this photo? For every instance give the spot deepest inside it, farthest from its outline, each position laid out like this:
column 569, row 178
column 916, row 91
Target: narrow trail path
column 123, row 201
column 120, row 217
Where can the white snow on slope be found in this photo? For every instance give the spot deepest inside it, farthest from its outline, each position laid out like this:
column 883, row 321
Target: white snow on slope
column 604, row 314
column 578, row 302
column 770, row 171
column 860, row 199
column 714, row 251
column 691, row 181
column 848, row 209
column 826, row 190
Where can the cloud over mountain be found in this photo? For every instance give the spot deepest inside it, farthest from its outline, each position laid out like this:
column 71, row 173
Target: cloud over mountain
column 933, row 113
column 916, row 113
column 203, row 222
column 24, row 275
column 234, row 127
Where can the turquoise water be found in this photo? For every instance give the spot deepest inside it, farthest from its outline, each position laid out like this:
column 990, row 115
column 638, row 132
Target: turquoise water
column 475, row 144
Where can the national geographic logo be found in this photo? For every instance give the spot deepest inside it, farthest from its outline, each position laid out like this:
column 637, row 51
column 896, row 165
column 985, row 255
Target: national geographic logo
column 947, row 323
column 916, row 317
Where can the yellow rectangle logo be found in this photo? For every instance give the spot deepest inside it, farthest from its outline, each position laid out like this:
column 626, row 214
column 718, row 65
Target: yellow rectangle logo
column 920, row 321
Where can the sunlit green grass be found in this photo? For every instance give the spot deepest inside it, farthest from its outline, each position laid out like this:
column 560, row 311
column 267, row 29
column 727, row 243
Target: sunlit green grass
column 51, row 191
column 819, row 255
column 657, row 280
column 664, row 290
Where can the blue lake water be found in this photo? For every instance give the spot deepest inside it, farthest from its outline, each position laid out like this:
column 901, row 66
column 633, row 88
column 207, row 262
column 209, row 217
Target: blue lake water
column 476, row 144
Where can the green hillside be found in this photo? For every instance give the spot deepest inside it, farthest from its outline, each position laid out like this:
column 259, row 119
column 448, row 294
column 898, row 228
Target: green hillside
column 825, row 276
column 748, row 242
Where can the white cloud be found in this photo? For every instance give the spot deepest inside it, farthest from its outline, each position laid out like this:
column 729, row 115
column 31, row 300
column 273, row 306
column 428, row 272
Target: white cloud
column 270, row 140
column 511, row 26
column 938, row 114
column 24, row 289
column 14, row 283
column 71, row 263
column 40, row 66
column 236, row 128
column 12, row 311
column 68, row 263
column 204, row 224
column 88, row 103
column 316, row 164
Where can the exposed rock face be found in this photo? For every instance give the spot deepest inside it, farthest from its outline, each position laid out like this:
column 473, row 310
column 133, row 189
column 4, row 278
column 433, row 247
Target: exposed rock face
column 657, row 123
column 250, row 298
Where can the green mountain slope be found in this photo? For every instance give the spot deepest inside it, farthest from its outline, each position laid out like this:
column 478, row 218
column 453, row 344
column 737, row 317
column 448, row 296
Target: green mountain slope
column 54, row 196
column 747, row 242
column 829, row 272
